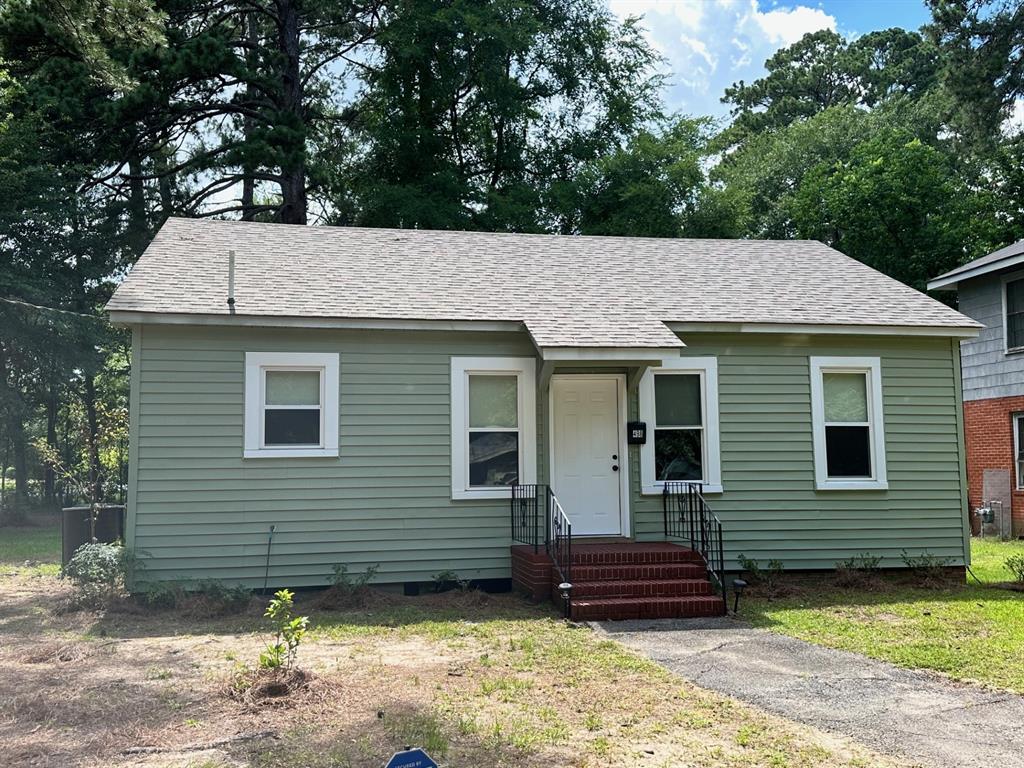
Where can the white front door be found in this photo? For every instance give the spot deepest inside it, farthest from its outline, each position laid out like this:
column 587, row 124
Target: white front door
column 586, row 452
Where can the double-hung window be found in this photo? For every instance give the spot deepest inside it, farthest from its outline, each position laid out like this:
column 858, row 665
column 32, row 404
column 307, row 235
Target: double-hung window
column 1014, row 322
column 291, row 404
column 679, row 403
column 493, row 425
column 849, row 435
column 1018, row 448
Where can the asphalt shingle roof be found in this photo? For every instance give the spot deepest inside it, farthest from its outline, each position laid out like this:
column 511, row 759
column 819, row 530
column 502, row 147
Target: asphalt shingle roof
column 570, row 291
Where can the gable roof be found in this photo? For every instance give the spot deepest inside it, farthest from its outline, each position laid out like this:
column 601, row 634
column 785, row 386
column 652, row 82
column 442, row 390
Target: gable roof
column 1004, row 258
column 569, row 291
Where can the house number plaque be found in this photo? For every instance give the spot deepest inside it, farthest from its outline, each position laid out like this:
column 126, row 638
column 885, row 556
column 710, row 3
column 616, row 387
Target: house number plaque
column 636, row 432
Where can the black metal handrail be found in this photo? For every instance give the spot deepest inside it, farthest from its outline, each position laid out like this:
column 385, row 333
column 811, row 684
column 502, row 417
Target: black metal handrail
column 688, row 517
column 531, row 523
column 538, row 520
column 560, row 548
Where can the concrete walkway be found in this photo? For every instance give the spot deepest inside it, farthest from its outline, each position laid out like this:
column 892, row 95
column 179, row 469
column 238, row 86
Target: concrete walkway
column 910, row 714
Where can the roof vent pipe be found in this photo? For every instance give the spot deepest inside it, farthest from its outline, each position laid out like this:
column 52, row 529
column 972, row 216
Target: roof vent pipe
column 231, row 281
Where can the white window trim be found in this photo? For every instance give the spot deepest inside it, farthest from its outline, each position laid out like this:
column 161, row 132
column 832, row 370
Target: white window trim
column 707, row 368
column 256, row 363
column 1011, row 278
column 524, row 369
column 872, row 367
column 1015, row 418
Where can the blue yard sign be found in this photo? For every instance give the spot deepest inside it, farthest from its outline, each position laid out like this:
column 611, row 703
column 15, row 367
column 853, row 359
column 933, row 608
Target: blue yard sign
column 411, row 758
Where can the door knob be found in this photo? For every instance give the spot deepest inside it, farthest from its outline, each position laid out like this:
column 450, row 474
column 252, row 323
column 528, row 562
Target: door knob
column 615, row 457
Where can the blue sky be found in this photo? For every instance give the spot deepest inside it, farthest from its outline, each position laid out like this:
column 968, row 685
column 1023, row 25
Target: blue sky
column 710, row 44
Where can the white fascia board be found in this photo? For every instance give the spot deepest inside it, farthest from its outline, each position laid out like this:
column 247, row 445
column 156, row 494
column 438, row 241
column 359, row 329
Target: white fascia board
column 118, row 317
column 958, row 332
column 618, row 354
column 949, row 281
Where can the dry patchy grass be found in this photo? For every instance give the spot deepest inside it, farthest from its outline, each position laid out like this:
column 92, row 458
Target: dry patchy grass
column 474, row 679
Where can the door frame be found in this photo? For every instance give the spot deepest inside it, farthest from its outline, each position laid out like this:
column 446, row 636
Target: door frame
column 625, row 519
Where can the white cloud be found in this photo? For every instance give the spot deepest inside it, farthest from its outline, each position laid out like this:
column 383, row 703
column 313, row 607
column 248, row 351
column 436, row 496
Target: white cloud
column 710, row 45
column 784, row 26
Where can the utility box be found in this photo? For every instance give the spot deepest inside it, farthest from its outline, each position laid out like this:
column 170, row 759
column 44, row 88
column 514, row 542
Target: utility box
column 75, row 528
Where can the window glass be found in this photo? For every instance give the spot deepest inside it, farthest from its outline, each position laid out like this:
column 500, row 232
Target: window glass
column 677, row 399
column 493, row 458
column 846, row 397
column 291, row 426
column 293, row 387
column 848, row 451
column 678, row 454
column 493, row 401
column 1015, row 314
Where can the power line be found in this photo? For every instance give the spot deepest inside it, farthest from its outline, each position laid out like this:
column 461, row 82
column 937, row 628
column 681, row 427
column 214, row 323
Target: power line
column 40, row 308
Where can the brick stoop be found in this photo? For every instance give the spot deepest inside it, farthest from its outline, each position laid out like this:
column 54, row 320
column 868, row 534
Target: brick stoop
column 627, row 580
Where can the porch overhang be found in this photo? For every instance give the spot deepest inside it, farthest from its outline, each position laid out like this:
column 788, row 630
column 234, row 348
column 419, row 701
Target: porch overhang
column 631, row 343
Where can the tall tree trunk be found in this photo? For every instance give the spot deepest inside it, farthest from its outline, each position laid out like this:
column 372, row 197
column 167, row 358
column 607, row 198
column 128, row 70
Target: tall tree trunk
column 293, row 167
column 49, row 476
column 3, row 475
column 92, row 438
column 19, row 446
column 248, row 182
column 137, row 205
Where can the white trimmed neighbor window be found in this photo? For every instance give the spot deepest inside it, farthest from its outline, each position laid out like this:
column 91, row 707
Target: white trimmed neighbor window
column 1018, row 446
column 291, row 404
column 679, row 403
column 494, row 436
column 849, row 435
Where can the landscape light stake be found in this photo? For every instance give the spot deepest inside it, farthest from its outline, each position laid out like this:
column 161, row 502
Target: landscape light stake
column 738, row 585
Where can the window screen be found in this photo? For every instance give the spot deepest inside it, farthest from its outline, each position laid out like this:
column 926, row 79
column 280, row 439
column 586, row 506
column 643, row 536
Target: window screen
column 679, row 427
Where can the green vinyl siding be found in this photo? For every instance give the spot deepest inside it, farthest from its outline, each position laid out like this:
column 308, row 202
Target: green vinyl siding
column 770, row 508
column 198, row 510
column 203, row 512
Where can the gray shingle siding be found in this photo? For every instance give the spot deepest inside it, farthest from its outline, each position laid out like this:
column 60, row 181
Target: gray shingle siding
column 988, row 371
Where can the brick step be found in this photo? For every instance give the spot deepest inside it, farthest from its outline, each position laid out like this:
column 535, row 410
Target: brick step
column 632, row 554
column 583, row 590
column 620, row 608
column 641, row 571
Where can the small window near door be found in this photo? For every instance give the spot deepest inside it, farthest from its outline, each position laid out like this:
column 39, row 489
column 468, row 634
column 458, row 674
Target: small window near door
column 493, row 430
column 849, row 438
column 493, row 416
column 679, row 403
column 678, row 427
column 1018, row 447
column 1015, row 315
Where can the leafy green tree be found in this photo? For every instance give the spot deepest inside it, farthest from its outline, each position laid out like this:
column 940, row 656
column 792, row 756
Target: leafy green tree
column 649, row 187
column 897, row 205
column 982, row 46
column 480, row 114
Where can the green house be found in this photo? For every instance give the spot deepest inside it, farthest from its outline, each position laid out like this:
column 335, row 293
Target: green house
column 466, row 402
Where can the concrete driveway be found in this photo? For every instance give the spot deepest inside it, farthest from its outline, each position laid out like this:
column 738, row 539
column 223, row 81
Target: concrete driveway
column 915, row 715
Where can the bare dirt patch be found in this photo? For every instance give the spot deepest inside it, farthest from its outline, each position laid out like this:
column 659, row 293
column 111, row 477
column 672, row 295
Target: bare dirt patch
column 473, row 678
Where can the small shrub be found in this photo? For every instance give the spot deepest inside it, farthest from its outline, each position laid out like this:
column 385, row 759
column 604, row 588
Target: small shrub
column 1015, row 563
column 348, row 590
column 98, row 572
column 347, row 582
column 204, row 599
column 928, row 568
column 289, row 631
column 860, row 572
column 769, row 578
column 447, row 580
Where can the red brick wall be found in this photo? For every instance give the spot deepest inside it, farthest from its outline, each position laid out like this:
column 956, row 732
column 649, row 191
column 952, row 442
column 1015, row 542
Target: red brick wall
column 531, row 573
column 988, row 429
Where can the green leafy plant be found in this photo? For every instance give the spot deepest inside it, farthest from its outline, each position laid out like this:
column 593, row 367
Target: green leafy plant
column 348, row 582
column 1015, row 563
column 860, row 571
column 99, row 573
column 929, row 568
column 289, row 631
column 446, row 580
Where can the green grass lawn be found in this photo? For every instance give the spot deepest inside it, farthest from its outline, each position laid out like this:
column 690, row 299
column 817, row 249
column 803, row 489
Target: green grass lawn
column 970, row 632
column 35, row 544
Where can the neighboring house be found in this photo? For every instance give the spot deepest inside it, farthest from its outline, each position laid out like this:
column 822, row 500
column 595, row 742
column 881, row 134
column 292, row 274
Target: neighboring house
column 370, row 396
column 991, row 290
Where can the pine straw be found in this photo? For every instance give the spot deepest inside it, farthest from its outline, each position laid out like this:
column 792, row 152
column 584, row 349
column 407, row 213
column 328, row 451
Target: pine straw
column 273, row 687
column 57, row 654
